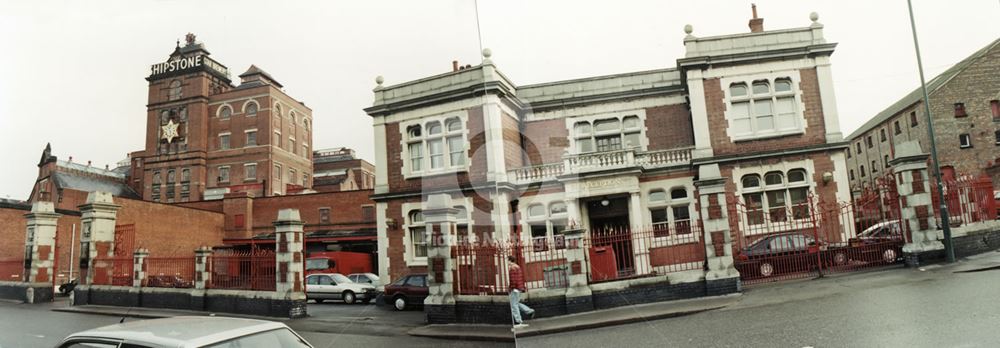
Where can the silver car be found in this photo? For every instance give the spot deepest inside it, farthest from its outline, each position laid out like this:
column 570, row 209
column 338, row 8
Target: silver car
column 183, row 332
column 335, row 286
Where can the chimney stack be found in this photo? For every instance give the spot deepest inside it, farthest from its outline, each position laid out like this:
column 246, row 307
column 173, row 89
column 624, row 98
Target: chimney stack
column 756, row 24
column 454, row 65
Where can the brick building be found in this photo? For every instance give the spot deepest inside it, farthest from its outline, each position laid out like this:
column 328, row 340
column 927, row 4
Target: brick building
column 206, row 137
column 964, row 104
column 339, row 169
column 755, row 110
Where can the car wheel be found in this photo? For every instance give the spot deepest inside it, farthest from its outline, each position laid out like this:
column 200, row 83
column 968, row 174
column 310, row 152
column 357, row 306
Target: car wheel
column 839, row 258
column 889, row 255
column 348, row 297
column 766, row 269
column 318, row 300
column 399, row 303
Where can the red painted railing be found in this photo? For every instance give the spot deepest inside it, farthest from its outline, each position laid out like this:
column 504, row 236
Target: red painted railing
column 12, row 270
column 608, row 255
column 969, row 199
column 113, row 271
column 169, row 272
column 243, row 270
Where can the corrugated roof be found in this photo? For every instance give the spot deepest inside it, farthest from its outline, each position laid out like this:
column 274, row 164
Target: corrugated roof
column 916, row 95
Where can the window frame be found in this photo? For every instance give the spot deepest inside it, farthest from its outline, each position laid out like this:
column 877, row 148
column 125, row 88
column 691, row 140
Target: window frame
column 220, row 179
column 246, row 175
column 749, row 125
column 672, row 228
column 418, row 142
column 553, row 223
column 965, row 141
column 617, row 138
column 767, row 209
column 246, row 137
column 225, row 141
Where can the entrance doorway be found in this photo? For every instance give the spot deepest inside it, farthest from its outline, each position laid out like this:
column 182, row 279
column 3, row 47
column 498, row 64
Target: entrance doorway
column 610, row 232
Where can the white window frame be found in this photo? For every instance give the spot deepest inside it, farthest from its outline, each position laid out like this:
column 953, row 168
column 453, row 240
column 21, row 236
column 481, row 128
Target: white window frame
column 229, row 141
column 228, row 177
column 447, row 166
column 407, row 208
column 669, row 203
column 965, row 141
column 548, row 219
column 218, row 111
column 594, row 134
column 276, row 183
column 790, row 223
column 246, row 137
column 247, row 105
column 798, row 118
column 245, row 171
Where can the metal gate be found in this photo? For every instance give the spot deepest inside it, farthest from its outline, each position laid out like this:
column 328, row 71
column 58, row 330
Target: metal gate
column 780, row 234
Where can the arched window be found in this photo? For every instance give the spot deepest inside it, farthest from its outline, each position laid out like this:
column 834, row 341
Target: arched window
column 170, row 176
column 156, row 178
column 761, row 87
column 796, row 175
column 225, row 111
column 413, row 131
column 277, row 110
column 453, row 124
column 678, row 193
column 536, row 210
column 174, row 90
column 557, row 208
column 774, row 178
column 751, row 180
column 738, row 90
column 438, row 146
column 305, row 124
column 291, row 115
column 250, row 108
column 782, row 85
column 670, row 217
column 657, row 196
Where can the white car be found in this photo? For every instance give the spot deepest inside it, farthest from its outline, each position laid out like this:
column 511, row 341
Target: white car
column 183, row 332
column 365, row 278
column 335, row 286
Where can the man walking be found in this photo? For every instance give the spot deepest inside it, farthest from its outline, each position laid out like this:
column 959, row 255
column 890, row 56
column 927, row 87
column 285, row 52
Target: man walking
column 516, row 277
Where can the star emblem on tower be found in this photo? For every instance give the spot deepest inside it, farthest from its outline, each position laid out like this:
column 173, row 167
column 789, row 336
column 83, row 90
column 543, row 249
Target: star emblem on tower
column 169, row 131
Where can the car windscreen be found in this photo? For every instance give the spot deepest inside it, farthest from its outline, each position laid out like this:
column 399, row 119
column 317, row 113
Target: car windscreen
column 315, row 264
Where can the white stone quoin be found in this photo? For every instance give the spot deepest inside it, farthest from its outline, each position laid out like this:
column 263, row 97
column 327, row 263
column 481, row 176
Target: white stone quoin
column 41, row 237
column 288, row 255
column 440, row 217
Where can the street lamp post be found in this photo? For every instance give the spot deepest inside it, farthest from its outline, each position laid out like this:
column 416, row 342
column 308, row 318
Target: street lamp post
column 945, row 225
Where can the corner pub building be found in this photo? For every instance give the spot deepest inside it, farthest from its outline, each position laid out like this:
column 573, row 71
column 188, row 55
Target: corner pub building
column 646, row 161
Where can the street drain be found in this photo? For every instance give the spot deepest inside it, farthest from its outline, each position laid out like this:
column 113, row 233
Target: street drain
column 992, row 268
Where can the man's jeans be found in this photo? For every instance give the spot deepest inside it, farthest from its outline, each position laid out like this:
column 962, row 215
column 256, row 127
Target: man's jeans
column 516, row 307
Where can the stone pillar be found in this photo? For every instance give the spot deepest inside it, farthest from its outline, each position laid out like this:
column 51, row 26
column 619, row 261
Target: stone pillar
column 202, row 271
column 41, row 243
column 578, row 293
column 98, row 225
column 289, row 289
column 440, row 217
column 139, row 266
column 640, row 249
column 916, row 206
column 721, row 276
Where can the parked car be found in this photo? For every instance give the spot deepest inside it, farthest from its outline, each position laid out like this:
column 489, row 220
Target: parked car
column 882, row 242
column 365, row 278
column 407, row 291
column 335, row 286
column 785, row 253
column 214, row 332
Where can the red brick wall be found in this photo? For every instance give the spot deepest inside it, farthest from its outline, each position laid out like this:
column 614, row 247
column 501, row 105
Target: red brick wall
column 545, row 141
column 345, row 210
column 815, row 130
column 668, row 127
column 477, row 161
column 168, row 230
column 511, row 141
column 12, row 229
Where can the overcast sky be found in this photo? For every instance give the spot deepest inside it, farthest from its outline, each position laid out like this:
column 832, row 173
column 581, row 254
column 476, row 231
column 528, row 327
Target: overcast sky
column 72, row 72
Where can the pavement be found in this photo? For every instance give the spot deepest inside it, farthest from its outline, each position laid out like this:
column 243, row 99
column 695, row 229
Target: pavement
column 579, row 321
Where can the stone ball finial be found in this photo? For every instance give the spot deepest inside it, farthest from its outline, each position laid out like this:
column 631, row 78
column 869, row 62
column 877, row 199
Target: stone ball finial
column 379, row 79
column 814, row 16
column 487, row 53
column 688, row 29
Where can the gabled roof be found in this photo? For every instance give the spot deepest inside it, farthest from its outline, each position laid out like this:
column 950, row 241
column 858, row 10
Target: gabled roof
column 916, row 95
column 254, row 70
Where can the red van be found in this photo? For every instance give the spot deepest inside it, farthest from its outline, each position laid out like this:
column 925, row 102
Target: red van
column 343, row 262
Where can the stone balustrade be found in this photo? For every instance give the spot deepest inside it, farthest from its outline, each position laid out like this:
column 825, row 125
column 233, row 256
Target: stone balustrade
column 601, row 161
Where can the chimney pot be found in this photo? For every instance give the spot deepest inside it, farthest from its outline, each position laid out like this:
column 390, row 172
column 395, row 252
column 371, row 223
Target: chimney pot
column 88, row 163
column 756, row 23
column 70, row 159
column 454, row 65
